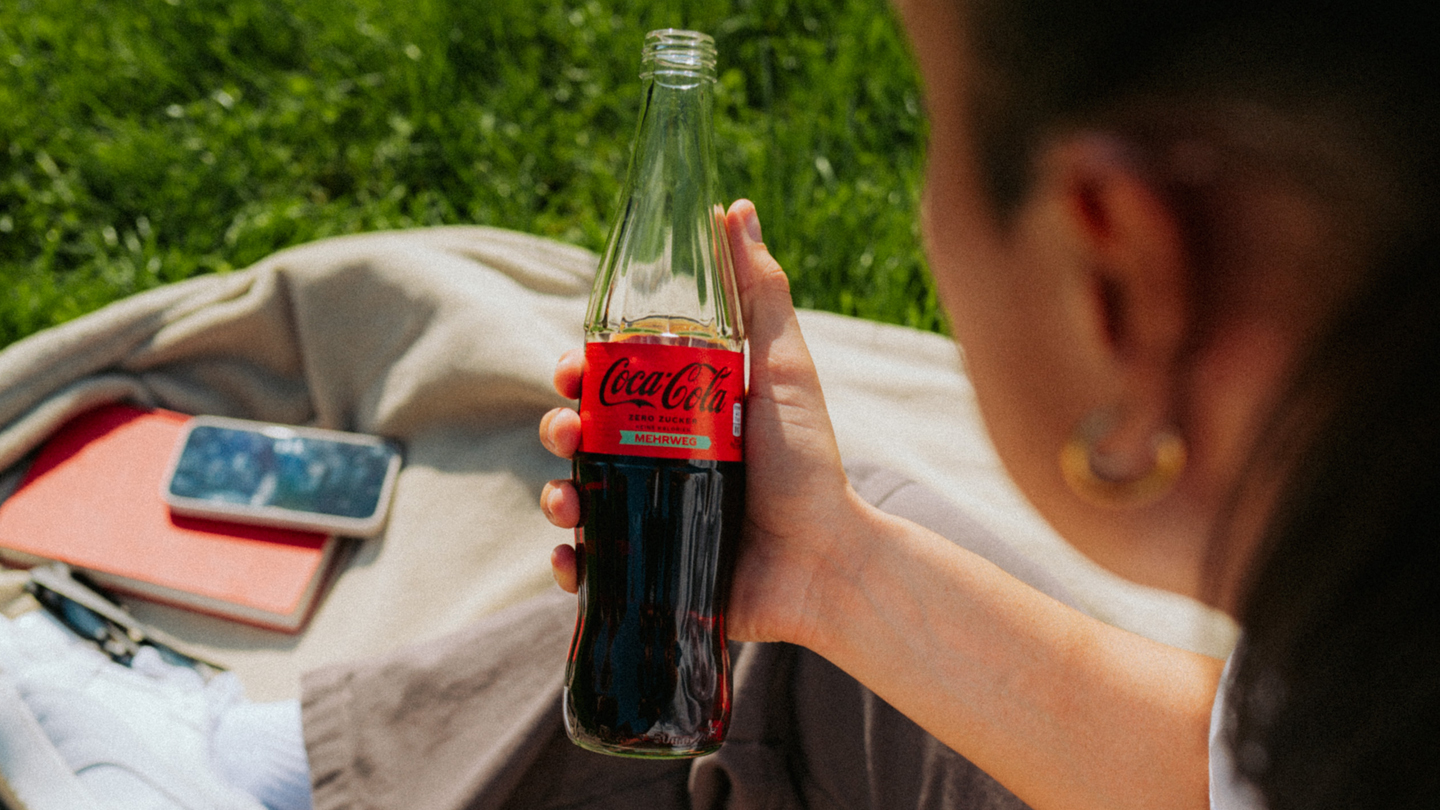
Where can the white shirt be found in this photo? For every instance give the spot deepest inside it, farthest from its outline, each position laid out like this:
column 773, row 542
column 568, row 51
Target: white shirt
column 1228, row 791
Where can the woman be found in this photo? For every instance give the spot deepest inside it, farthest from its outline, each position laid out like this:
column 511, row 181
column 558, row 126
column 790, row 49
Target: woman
column 1190, row 253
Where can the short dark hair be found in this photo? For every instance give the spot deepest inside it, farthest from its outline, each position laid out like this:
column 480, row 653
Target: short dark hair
column 1337, row 685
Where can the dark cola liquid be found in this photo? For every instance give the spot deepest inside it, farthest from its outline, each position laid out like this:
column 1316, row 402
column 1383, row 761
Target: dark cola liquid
column 649, row 673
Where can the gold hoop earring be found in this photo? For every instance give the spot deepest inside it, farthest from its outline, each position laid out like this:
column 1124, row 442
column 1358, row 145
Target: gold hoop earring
column 1078, row 467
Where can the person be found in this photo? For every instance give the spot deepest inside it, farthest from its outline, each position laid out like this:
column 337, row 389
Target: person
column 1190, row 254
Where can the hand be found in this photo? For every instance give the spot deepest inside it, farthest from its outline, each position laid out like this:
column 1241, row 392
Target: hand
column 799, row 505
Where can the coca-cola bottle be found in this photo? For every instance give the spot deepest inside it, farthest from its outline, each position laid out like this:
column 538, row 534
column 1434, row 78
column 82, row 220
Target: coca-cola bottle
column 659, row 470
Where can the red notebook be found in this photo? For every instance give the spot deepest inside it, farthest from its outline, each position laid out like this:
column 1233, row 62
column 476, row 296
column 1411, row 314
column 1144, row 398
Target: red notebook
column 91, row 498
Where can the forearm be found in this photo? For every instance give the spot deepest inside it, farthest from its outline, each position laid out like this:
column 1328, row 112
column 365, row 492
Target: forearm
column 1066, row 711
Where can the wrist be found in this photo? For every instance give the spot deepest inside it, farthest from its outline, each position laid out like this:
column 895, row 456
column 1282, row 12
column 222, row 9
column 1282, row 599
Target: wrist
column 841, row 603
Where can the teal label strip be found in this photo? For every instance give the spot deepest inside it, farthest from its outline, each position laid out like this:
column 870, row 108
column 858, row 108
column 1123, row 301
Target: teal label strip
column 664, row 439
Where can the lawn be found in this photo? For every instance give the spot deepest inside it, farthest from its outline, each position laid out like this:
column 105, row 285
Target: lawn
column 147, row 141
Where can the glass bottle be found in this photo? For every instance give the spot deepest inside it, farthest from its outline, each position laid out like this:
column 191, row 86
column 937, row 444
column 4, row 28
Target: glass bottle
column 660, row 470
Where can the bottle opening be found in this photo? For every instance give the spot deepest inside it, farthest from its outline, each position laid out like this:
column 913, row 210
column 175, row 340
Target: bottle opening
column 680, row 54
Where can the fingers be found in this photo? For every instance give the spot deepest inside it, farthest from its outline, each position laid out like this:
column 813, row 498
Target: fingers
column 560, row 432
column 560, row 428
column 567, row 373
column 563, row 568
column 561, row 503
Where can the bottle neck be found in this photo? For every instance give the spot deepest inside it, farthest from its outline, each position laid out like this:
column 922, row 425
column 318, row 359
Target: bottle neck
column 666, row 275
column 678, row 59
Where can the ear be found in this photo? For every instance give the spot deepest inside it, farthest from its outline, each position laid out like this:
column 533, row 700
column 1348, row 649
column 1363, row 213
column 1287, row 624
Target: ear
column 1129, row 241
column 1130, row 238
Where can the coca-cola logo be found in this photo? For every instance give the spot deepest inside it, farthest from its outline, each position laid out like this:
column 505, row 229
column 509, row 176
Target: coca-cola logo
column 697, row 387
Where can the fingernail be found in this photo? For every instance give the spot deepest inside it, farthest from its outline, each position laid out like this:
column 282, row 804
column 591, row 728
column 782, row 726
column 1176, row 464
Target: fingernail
column 752, row 226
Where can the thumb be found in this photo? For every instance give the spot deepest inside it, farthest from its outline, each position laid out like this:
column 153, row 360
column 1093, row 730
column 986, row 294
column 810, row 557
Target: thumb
column 757, row 274
column 781, row 370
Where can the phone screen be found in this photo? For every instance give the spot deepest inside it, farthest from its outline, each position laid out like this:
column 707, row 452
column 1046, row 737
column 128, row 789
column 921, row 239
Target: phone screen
column 283, row 470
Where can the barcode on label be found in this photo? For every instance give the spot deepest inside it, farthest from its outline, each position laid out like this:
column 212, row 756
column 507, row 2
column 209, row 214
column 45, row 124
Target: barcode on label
column 735, row 420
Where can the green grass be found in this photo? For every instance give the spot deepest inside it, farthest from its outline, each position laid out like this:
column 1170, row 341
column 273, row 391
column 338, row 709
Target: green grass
column 147, row 141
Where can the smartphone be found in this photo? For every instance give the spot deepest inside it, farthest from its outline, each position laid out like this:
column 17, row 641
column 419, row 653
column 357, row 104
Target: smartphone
column 282, row 475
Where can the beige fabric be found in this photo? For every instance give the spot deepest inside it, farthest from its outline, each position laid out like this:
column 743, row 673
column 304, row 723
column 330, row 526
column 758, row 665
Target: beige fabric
column 446, row 339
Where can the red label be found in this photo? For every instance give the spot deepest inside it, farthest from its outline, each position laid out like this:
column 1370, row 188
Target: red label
column 649, row 399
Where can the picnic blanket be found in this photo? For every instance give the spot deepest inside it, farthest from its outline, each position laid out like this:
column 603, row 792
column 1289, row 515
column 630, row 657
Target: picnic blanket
column 445, row 339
